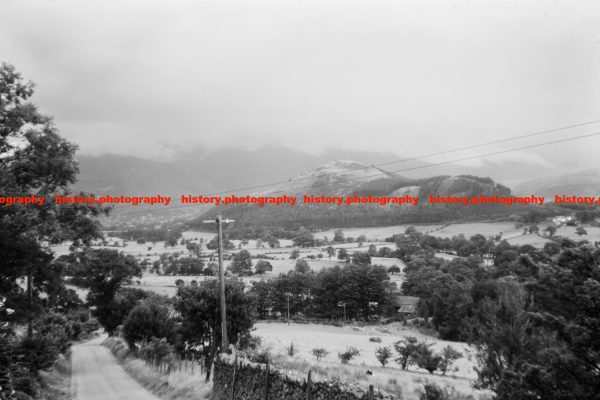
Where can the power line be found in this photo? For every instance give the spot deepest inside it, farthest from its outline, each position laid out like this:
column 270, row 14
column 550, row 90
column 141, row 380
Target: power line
column 538, row 133
column 388, row 172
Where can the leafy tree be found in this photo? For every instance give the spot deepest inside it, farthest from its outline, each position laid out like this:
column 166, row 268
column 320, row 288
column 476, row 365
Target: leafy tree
column 338, row 236
column 213, row 244
column 304, row 238
column 330, row 251
column 34, row 160
column 383, row 354
column 241, row 263
column 148, row 320
column 263, row 266
column 361, row 258
column 407, row 349
column 319, row 353
column 394, row 269
column 104, row 272
column 302, row 266
column 551, row 229
column 425, row 358
column 295, row 254
column 361, row 240
column 201, row 315
column 343, row 255
column 348, row 354
column 448, row 356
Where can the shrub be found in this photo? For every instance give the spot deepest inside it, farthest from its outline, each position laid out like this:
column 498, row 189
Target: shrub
column 425, row 358
column 348, row 354
column 448, row 356
column 291, row 350
column 383, row 354
column 431, row 391
column 319, row 353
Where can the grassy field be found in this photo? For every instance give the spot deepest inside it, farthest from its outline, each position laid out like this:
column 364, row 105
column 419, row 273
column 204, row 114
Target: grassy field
column 277, row 337
column 178, row 385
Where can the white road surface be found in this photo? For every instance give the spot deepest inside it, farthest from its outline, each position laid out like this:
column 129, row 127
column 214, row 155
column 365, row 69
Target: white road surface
column 97, row 375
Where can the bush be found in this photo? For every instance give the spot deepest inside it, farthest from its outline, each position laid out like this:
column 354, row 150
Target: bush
column 319, row 353
column 431, row 391
column 383, row 355
column 348, row 354
column 448, row 356
column 425, row 358
column 291, row 350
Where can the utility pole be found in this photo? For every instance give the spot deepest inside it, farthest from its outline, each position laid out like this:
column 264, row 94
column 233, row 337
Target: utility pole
column 288, row 294
column 219, row 221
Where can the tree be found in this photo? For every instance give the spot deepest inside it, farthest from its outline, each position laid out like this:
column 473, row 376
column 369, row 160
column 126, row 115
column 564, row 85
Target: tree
column 302, row 266
column 241, row 263
column 34, row 160
column 263, row 266
column 348, row 354
column 295, row 254
column 304, row 238
column 383, row 354
column 361, row 240
column 551, row 229
column 104, row 272
column 330, row 251
column 394, row 269
column 148, row 320
column 319, row 353
column 338, row 236
column 407, row 348
column 425, row 358
column 362, row 258
column 343, row 255
column 201, row 315
column 448, row 356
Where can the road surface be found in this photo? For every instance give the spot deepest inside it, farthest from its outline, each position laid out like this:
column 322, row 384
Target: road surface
column 97, row 375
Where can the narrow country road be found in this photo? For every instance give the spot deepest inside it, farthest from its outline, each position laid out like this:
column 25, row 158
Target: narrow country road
column 97, row 375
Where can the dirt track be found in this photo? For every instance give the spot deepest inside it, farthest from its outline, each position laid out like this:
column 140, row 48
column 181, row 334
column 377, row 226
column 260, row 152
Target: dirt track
column 96, row 375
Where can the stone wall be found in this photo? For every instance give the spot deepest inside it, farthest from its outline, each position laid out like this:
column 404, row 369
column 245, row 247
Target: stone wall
column 251, row 382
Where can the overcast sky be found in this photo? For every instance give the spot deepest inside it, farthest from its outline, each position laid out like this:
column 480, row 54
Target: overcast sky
column 150, row 78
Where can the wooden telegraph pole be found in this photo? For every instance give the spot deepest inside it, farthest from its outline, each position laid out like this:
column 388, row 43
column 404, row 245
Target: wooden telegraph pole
column 219, row 221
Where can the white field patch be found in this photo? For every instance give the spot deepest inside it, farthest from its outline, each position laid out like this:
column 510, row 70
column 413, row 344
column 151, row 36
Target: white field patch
column 278, row 337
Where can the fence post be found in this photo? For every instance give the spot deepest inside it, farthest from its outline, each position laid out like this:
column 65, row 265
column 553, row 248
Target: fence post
column 309, row 386
column 235, row 361
column 267, row 381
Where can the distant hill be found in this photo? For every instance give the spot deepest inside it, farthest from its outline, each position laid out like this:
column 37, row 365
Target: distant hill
column 341, row 178
column 582, row 183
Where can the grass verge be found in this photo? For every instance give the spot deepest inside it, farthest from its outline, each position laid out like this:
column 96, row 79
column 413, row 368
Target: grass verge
column 178, row 385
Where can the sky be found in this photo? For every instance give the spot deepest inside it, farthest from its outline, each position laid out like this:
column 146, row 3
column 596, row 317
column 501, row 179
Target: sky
column 156, row 78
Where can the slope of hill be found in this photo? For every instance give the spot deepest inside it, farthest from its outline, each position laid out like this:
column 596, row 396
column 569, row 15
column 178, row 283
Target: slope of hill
column 582, row 183
column 343, row 178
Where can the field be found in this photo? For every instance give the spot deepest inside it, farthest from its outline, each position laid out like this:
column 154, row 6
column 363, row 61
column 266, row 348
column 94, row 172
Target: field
column 277, row 337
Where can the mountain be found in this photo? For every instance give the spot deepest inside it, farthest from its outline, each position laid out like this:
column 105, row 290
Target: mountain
column 582, row 183
column 198, row 172
column 349, row 178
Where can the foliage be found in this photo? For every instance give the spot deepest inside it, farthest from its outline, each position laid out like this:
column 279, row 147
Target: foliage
column 148, row 320
column 319, row 353
column 263, row 266
column 383, row 354
column 348, row 354
column 241, row 263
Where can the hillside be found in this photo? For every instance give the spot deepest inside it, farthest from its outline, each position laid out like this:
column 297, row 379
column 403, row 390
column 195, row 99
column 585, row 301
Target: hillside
column 342, row 178
column 581, row 183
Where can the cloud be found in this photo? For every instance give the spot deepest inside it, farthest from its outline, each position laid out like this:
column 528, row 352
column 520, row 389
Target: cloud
column 148, row 77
